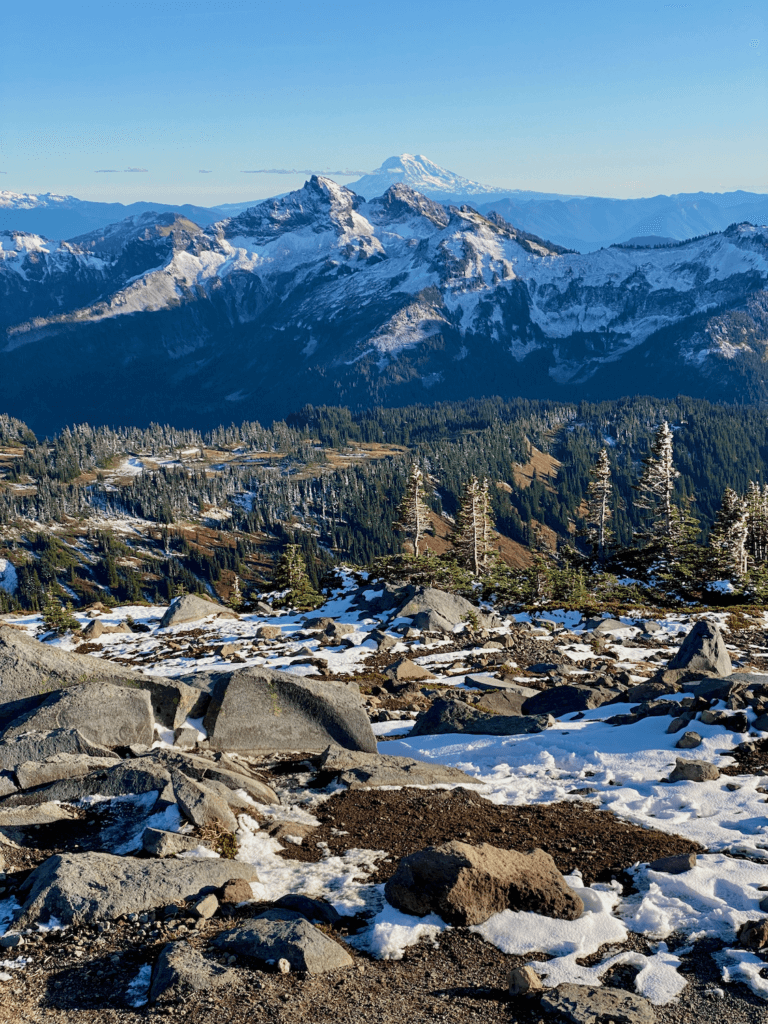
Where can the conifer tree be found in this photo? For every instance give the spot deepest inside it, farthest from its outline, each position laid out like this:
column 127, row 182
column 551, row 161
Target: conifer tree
column 473, row 533
column 413, row 514
column 757, row 522
column 598, row 520
column 656, row 486
column 291, row 576
column 728, row 540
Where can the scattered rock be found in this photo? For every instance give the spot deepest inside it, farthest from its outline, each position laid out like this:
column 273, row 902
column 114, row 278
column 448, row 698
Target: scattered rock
column 191, row 607
column 407, row 671
column 317, row 911
column 236, row 890
column 524, row 981
column 258, row 709
column 224, row 770
column 291, row 831
column 84, row 887
column 437, row 611
column 447, row 714
column 160, row 843
column 284, row 934
column 269, row 632
column 688, row 741
column 583, row 1004
column 336, row 630
column 674, row 865
column 180, row 969
column 693, row 771
column 754, row 934
column 466, row 885
column 200, row 804
column 704, row 651
column 206, row 907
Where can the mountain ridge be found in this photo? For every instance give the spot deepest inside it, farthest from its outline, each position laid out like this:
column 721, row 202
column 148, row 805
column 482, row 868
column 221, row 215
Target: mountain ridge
column 584, row 223
column 323, row 297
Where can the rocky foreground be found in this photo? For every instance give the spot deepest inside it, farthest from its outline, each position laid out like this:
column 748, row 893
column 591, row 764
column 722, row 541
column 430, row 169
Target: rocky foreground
column 397, row 808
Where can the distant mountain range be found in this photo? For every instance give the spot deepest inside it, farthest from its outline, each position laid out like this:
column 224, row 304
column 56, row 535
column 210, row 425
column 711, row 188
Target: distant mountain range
column 321, row 297
column 583, row 223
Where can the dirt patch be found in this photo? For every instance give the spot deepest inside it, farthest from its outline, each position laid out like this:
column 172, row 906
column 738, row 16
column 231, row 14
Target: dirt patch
column 402, row 821
column 751, row 759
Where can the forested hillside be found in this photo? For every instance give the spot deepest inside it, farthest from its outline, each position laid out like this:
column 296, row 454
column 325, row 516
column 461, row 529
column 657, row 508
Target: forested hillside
column 138, row 514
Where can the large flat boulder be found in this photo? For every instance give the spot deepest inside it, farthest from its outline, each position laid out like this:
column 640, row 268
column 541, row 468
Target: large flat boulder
column 285, row 935
column 368, row 771
column 585, row 1004
column 466, row 885
column 124, row 778
column 60, row 766
column 78, row 888
column 703, row 651
column 29, row 668
column 192, row 608
column 257, row 709
column 436, row 610
column 447, row 714
column 41, row 746
column 103, row 713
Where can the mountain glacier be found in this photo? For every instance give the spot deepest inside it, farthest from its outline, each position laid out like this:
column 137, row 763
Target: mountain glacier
column 321, row 296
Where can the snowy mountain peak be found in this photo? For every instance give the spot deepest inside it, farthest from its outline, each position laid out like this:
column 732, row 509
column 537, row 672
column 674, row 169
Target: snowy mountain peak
column 318, row 205
column 400, row 201
column 31, row 201
column 422, row 175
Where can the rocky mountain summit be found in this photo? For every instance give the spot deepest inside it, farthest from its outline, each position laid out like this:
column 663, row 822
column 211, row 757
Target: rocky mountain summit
column 390, row 300
column 397, row 800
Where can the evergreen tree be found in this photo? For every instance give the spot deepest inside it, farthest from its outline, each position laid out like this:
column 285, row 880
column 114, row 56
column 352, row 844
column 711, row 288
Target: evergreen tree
column 757, row 522
column 474, row 530
column 598, row 520
column 728, row 540
column 292, row 577
column 413, row 514
column 57, row 618
column 656, row 486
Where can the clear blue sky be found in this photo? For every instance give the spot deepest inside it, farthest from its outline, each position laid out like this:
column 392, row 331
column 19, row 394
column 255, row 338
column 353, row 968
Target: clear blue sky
column 621, row 98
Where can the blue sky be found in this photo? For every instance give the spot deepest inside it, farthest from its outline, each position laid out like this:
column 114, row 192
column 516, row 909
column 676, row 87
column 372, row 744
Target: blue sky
column 622, row 98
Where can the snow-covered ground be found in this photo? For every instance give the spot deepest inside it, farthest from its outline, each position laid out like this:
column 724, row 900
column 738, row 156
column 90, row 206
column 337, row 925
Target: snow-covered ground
column 618, row 768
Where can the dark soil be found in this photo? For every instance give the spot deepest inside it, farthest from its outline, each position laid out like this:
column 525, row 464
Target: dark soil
column 751, row 759
column 402, row 821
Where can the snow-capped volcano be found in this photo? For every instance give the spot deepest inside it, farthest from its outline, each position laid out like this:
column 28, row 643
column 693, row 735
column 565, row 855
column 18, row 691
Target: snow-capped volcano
column 422, row 175
column 321, row 296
